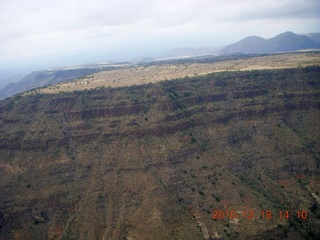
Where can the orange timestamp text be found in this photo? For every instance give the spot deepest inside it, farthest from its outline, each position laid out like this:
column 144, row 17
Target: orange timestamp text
column 251, row 215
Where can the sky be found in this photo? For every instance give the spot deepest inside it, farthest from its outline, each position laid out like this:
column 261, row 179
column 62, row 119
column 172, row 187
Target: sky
column 62, row 32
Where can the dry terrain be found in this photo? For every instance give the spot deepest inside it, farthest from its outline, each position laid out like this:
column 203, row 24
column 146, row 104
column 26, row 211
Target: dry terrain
column 157, row 161
column 137, row 75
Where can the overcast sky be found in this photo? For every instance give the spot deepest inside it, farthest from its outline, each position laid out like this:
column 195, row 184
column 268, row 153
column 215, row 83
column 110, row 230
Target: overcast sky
column 74, row 31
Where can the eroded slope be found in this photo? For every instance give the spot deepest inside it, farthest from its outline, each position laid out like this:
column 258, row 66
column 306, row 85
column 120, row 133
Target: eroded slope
column 154, row 161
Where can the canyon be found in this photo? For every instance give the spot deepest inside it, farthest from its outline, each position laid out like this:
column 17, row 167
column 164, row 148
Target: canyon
column 155, row 160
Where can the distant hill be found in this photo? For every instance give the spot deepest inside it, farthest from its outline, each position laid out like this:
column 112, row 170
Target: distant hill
column 48, row 77
column 252, row 44
column 283, row 42
column 314, row 36
column 142, row 60
column 42, row 78
column 4, row 81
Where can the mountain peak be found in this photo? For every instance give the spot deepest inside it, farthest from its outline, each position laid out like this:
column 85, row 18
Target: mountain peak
column 253, row 37
column 247, row 45
column 284, row 42
column 287, row 33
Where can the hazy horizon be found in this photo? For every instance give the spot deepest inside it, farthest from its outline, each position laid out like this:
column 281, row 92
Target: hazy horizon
column 42, row 33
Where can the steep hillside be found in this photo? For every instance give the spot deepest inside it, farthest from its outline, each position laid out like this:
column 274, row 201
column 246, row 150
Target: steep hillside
column 284, row 42
column 165, row 160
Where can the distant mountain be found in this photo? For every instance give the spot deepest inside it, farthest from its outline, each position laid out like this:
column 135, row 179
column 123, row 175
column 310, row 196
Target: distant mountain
column 252, row 44
column 314, row 36
column 283, row 42
column 142, row 60
column 12, row 74
column 5, row 81
column 48, row 77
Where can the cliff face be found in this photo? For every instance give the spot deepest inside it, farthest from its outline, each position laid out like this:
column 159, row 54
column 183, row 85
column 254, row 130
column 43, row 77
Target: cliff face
column 155, row 161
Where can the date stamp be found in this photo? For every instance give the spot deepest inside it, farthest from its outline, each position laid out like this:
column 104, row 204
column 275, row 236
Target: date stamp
column 263, row 214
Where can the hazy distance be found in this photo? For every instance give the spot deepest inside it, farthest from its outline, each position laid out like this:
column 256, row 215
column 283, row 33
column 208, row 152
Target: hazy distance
column 37, row 34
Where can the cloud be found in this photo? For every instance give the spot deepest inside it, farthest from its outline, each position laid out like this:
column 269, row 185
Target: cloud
column 41, row 27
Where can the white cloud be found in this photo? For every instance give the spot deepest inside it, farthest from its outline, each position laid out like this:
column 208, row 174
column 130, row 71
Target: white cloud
column 36, row 27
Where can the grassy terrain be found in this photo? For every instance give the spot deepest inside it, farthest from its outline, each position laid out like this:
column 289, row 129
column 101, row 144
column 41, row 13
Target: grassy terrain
column 137, row 75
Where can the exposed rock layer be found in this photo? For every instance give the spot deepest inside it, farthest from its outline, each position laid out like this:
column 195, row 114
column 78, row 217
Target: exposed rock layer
column 154, row 161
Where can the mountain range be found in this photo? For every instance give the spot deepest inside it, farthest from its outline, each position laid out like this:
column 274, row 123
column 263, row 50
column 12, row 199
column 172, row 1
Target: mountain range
column 314, row 36
column 284, row 42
